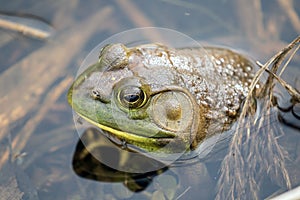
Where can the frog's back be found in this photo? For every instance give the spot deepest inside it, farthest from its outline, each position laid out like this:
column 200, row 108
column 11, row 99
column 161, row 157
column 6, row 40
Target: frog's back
column 219, row 78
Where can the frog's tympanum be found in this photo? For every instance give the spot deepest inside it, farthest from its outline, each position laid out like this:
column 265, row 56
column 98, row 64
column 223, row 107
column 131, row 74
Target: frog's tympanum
column 158, row 98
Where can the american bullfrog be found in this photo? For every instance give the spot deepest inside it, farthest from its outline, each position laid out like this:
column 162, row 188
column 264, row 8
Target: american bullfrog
column 162, row 99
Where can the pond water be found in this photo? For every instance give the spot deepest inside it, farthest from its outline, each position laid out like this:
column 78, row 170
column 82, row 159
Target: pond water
column 42, row 154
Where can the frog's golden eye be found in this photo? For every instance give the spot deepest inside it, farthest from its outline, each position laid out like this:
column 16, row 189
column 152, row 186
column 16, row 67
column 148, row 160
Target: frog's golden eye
column 132, row 97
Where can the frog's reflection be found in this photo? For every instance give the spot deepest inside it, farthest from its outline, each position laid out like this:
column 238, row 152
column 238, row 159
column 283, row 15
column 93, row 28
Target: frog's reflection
column 93, row 145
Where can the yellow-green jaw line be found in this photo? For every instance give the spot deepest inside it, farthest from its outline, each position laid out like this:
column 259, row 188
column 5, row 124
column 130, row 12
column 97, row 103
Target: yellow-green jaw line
column 146, row 143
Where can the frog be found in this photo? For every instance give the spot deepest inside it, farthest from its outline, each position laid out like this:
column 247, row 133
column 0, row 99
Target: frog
column 157, row 98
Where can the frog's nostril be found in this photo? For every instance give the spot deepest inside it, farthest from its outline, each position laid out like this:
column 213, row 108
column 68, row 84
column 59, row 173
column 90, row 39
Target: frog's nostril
column 97, row 95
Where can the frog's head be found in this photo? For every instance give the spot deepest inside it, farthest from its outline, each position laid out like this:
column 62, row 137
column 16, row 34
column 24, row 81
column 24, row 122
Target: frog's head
column 135, row 97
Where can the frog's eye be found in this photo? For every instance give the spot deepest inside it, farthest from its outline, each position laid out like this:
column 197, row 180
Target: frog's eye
column 132, row 97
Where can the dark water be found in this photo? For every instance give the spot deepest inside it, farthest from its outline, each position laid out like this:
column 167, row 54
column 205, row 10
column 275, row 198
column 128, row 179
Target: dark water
column 39, row 142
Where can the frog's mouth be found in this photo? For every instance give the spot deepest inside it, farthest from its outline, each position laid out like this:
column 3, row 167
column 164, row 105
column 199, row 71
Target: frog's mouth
column 154, row 143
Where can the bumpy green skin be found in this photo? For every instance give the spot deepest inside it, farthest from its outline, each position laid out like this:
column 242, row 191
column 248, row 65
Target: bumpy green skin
column 190, row 94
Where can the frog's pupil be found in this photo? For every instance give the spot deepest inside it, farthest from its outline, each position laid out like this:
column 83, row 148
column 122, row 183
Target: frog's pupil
column 131, row 98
